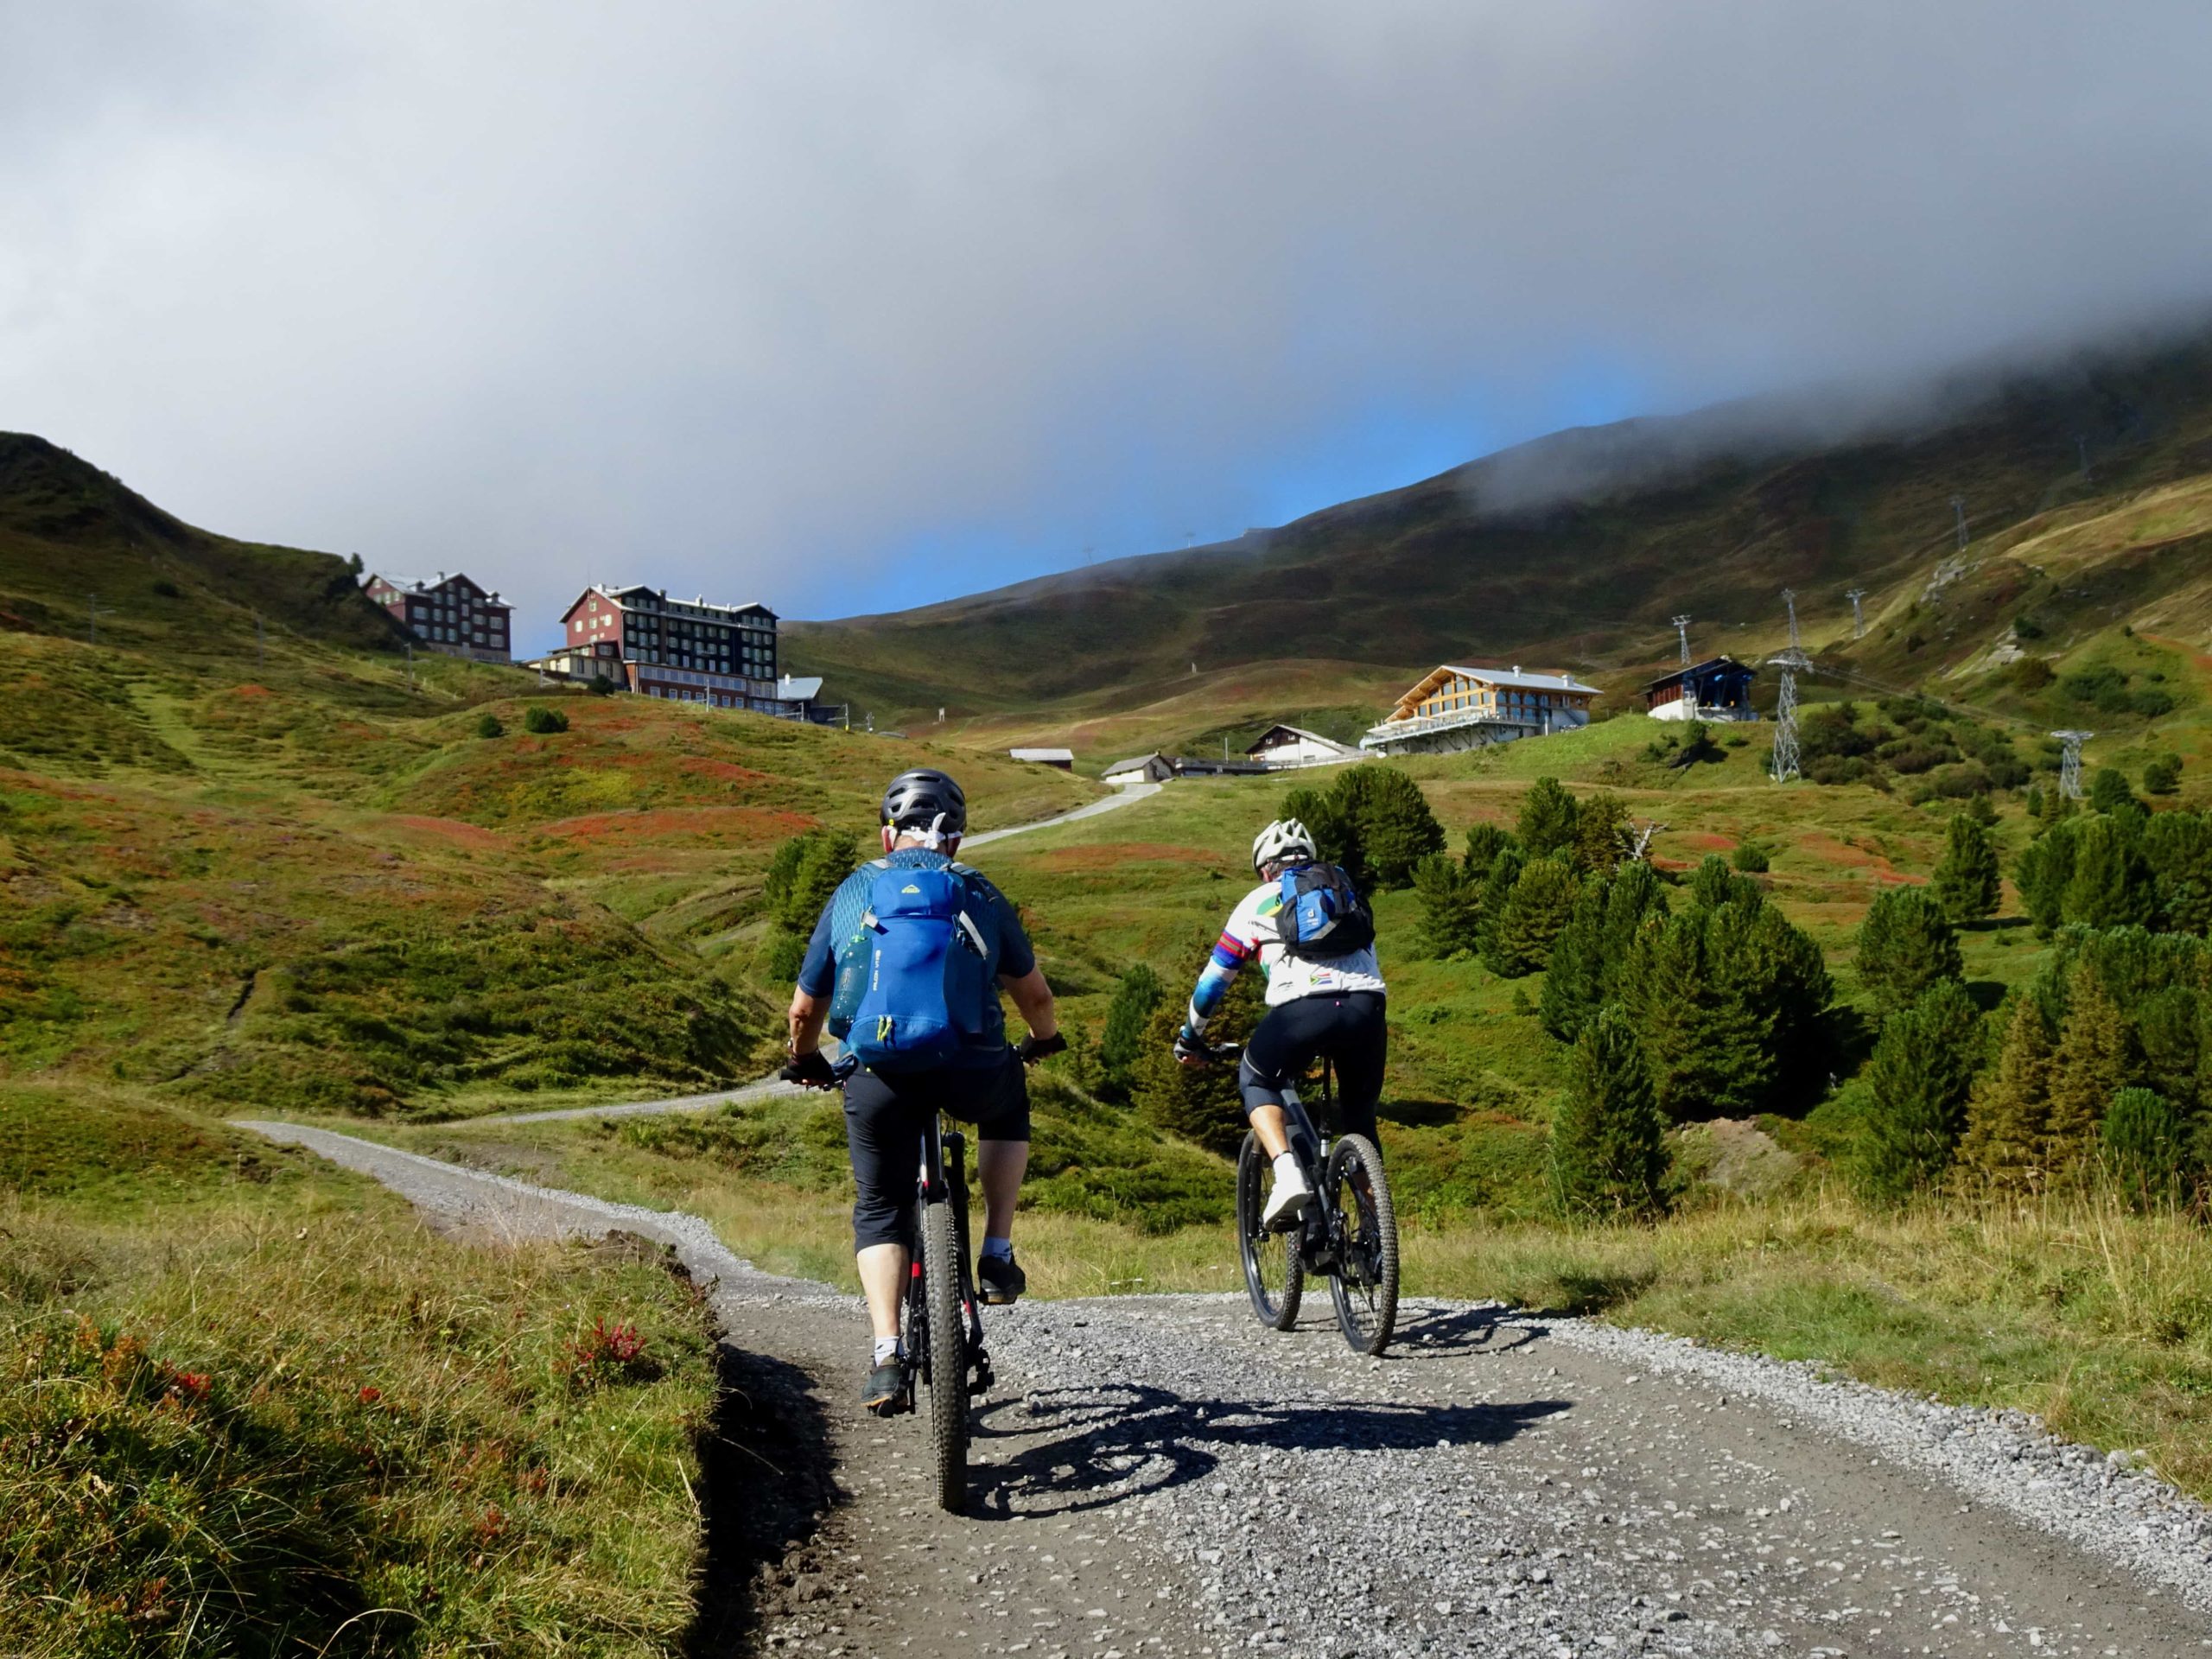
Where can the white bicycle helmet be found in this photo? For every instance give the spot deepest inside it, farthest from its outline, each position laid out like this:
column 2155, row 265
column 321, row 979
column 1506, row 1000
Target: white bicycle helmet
column 1284, row 839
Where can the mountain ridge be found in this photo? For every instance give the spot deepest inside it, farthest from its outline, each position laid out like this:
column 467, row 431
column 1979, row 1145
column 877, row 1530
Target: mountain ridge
column 1704, row 513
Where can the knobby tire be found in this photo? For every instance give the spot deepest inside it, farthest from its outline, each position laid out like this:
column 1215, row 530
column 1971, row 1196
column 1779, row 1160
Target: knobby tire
column 948, row 1354
column 1366, row 1284
column 1274, row 1277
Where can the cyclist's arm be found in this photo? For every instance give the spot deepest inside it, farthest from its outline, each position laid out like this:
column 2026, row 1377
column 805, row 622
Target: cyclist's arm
column 1033, row 997
column 818, row 977
column 1238, row 943
column 808, row 1014
column 1019, row 975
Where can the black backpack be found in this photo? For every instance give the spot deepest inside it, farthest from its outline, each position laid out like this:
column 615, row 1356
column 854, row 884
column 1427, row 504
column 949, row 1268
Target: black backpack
column 1322, row 916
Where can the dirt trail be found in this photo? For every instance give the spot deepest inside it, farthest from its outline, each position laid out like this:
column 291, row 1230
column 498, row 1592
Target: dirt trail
column 1159, row 1476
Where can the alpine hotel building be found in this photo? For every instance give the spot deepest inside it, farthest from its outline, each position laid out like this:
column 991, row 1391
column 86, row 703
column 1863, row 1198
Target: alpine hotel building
column 684, row 650
column 451, row 614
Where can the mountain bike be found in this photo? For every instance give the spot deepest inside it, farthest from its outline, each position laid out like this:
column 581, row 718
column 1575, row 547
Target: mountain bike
column 941, row 1322
column 1348, row 1232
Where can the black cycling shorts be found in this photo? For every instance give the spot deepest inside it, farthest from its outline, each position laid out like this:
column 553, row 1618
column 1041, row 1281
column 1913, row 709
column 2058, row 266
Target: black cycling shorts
column 1348, row 1029
column 885, row 1118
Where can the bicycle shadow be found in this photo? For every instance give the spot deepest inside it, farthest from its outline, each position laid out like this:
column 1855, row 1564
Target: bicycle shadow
column 1433, row 1332
column 1121, row 1440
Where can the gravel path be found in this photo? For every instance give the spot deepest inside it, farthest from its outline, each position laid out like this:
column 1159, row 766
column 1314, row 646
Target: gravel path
column 1161, row 1476
column 1124, row 795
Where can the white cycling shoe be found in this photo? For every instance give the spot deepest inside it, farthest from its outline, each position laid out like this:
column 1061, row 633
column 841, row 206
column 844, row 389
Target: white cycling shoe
column 1288, row 1200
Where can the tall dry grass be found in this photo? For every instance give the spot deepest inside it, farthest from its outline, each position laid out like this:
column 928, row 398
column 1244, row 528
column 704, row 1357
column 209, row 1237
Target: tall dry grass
column 289, row 1420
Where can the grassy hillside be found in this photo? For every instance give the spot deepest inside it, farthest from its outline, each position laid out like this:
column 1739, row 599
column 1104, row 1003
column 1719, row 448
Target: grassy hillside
column 1457, row 567
column 287, row 874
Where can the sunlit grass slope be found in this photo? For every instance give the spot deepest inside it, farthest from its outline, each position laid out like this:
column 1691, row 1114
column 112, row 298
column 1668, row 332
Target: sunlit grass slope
column 249, row 1404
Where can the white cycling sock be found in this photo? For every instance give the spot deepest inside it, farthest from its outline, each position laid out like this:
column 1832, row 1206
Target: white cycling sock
column 888, row 1349
column 1287, row 1169
column 1002, row 1248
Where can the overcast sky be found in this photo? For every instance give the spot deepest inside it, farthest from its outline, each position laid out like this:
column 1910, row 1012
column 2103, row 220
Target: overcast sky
column 846, row 307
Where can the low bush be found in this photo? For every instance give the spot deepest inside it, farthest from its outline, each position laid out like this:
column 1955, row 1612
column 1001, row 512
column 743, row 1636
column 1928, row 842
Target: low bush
column 543, row 722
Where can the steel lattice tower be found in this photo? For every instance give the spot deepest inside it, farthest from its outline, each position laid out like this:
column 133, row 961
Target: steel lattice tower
column 1682, row 632
column 1791, row 662
column 2069, row 762
column 1786, row 714
column 1858, row 613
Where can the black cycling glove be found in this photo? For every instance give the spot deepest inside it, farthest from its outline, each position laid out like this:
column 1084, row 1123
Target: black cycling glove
column 1030, row 1050
column 1192, row 1048
column 810, row 1070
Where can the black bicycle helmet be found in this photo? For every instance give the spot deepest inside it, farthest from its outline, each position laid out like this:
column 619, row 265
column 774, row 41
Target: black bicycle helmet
column 922, row 799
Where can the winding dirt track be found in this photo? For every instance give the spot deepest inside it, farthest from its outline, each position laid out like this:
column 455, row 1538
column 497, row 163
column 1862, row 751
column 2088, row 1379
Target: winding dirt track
column 1159, row 1476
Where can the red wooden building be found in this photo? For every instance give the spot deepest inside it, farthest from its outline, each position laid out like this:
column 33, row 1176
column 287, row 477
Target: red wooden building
column 451, row 614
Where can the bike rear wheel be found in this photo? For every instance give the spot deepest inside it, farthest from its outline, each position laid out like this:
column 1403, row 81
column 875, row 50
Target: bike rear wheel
column 946, row 1341
column 1274, row 1277
column 1366, row 1284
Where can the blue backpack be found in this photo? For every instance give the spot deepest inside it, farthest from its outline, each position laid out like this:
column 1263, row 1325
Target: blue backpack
column 1322, row 915
column 930, row 986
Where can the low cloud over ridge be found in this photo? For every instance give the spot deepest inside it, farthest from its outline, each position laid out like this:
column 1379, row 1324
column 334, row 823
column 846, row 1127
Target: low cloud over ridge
column 749, row 299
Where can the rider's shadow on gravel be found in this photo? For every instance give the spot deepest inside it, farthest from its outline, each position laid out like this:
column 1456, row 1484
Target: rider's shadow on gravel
column 1092, row 1447
column 767, row 1482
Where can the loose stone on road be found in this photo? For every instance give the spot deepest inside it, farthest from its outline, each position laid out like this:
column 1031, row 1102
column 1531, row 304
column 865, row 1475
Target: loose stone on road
column 1161, row 1476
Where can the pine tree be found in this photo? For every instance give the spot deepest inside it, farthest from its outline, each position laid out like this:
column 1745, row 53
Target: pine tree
column 1549, row 817
column 1127, row 1016
column 2042, row 873
column 1905, row 945
column 1634, row 899
column 1574, row 981
column 2094, row 1060
column 1714, row 885
column 2008, row 1121
column 803, row 874
column 1451, row 908
column 2111, row 885
column 1609, row 1149
column 1334, row 838
column 1199, row 1104
column 1484, row 843
column 1709, row 1045
column 1536, row 913
column 1498, row 887
column 2178, row 845
column 2108, row 790
column 1919, row 1078
column 1601, row 837
column 1967, row 883
column 2143, row 1147
column 1390, row 820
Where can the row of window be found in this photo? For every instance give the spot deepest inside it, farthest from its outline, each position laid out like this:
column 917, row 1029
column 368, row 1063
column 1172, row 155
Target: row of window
column 1512, row 701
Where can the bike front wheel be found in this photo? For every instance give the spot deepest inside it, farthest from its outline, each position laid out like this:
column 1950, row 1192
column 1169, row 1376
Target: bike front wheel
column 1274, row 1277
column 1366, row 1284
column 946, row 1343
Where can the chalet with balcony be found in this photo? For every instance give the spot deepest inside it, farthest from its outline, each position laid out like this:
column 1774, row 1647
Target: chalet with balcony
column 1454, row 709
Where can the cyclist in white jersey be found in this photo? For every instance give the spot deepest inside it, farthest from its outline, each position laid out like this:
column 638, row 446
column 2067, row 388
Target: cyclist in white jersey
column 1317, row 1006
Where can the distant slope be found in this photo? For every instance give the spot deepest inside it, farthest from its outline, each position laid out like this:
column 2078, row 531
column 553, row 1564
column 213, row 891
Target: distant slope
column 69, row 532
column 1711, row 514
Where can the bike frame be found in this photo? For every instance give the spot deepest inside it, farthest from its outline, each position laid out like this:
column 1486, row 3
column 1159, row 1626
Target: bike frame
column 942, row 1178
column 1319, row 1231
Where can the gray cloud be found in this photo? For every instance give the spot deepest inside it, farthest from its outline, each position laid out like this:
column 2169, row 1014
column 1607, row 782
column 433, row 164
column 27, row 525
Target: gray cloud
column 743, row 298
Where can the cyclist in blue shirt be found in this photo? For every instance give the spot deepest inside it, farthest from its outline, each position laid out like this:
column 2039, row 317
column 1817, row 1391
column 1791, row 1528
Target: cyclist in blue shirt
column 924, row 814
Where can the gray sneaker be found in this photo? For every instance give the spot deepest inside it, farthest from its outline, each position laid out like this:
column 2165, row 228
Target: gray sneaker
column 885, row 1391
